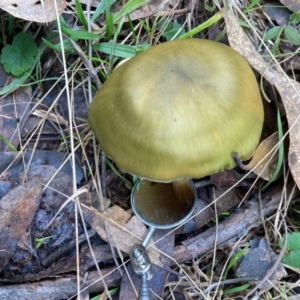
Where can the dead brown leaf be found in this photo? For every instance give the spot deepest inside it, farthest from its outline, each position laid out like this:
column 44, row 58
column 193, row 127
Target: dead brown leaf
column 32, row 10
column 54, row 117
column 126, row 234
column 292, row 5
column 148, row 9
column 289, row 89
column 264, row 161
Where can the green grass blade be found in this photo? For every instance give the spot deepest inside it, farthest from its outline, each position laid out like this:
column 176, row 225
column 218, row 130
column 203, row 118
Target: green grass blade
column 77, row 34
column 8, row 143
column 211, row 21
column 67, row 45
column 101, row 8
column 80, row 14
column 130, row 6
column 83, row 35
column 234, row 259
column 109, row 20
column 250, row 6
column 119, row 50
column 280, row 153
column 237, row 289
column 113, row 168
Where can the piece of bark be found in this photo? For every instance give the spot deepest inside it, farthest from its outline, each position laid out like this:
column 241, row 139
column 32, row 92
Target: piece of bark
column 61, row 288
column 17, row 209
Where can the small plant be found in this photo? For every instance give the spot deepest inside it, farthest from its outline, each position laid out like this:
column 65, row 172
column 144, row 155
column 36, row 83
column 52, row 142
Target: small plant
column 40, row 241
column 295, row 18
column 292, row 255
column 19, row 57
column 288, row 32
column 171, row 30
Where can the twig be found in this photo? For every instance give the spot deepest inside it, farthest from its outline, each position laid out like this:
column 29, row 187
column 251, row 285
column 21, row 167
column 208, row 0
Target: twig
column 233, row 227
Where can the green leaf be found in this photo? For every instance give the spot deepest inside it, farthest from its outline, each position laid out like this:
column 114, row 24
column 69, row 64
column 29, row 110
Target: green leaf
column 272, row 33
column 294, row 18
column 18, row 57
column 292, row 258
column 292, row 35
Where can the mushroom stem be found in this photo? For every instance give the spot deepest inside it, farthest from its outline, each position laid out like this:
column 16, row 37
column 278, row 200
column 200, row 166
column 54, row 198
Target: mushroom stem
column 183, row 191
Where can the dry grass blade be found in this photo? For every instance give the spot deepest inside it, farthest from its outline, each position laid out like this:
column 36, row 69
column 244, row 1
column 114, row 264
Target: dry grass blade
column 289, row 89
column 32, row 10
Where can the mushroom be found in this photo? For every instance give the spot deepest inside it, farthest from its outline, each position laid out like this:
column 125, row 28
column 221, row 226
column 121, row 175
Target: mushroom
column 178, row 111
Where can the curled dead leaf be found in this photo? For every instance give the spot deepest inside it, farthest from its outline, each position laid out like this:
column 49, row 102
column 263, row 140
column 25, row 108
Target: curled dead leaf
column 32, row 10
column 264, row 160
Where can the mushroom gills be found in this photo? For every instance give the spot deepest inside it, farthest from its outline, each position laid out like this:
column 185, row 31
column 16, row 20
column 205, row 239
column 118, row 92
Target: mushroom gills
column 164, row 204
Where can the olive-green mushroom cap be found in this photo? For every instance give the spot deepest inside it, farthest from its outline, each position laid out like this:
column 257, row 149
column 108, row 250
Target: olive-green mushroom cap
column 179, row 110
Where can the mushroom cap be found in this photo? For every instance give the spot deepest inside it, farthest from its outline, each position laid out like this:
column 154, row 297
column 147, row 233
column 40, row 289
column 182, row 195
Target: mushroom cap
column 179, row 110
